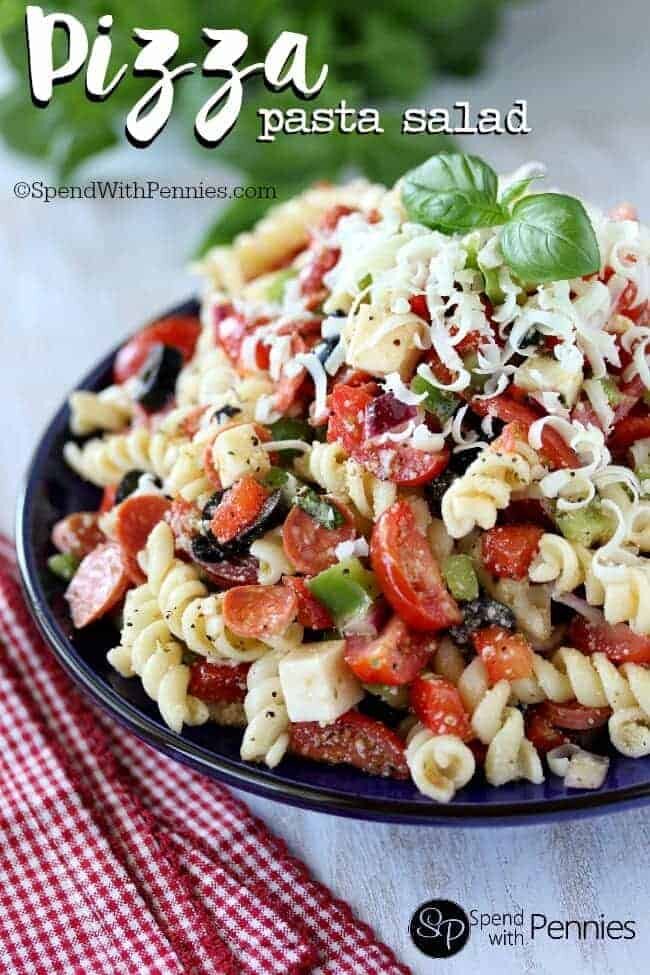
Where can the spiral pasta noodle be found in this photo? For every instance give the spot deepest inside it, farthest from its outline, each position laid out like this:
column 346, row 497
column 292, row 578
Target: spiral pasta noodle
column 568, row 565
column 439, row 764
column 510, row 755
column 486, row 487
column 273, row 561
column 147, row 649
column 191, row 613
column 104, row 461
column 328, row 465
column 110, row 410
column 281, row 233
column 267, row 732
column 627, row 594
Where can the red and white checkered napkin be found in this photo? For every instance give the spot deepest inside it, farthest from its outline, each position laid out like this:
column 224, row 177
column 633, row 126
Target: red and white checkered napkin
column 115, row 859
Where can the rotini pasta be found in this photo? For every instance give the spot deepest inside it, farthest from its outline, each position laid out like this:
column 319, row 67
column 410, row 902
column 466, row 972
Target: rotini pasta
column 328, row 465
column 148, row 650
column 267, row 731
column 439, row 764
column 510, row 756
column 109, row 410
column 486, row 487
column 273, row 561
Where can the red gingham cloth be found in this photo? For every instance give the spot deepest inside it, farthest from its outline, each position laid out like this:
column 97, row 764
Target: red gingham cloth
column 115, row 859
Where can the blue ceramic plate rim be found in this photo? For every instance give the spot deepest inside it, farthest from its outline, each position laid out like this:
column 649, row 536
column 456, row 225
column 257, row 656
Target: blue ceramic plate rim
column 253, row 778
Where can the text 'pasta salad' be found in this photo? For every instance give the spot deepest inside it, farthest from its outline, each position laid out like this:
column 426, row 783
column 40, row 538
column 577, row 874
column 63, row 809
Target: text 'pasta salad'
column 387, row 502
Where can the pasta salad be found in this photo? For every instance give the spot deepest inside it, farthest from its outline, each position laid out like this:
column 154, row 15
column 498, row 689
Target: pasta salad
column 386, row 502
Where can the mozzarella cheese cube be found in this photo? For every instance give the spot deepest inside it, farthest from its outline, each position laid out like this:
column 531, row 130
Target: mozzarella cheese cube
column 543, row 373
column 316, row 682
column 238, row 451
column 383, row 344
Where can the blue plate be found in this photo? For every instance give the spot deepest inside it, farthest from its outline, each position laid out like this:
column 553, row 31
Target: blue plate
column 52, row 491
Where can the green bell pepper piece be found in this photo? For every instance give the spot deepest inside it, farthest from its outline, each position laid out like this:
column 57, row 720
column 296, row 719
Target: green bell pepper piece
column 437, row 401
column 460, row 576
column 347, row 589
column 63, row 564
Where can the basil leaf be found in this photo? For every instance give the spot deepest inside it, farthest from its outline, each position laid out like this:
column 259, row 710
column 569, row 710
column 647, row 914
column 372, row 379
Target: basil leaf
column 517, row 190
column 550, row 238
column 318, row 508
column 453, row 192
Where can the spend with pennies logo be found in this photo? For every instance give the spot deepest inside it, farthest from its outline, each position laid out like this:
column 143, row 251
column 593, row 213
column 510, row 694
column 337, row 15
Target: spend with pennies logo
column 439, row 928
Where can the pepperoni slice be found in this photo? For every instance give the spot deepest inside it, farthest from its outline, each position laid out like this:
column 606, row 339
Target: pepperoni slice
column 311, row 612
column 218, row 683
column 353, row 739
column 135, row 519
column 309, row 546
column 258, row 612
column 98, row 585
column 78, row 534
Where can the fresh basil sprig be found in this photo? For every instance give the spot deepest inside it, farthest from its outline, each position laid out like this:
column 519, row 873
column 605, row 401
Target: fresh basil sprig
column 546, row 237
column 453, row 192
column 549, row 237
column 318, row 507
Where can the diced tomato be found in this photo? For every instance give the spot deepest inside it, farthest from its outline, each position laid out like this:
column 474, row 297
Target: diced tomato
column 78, row 534
column 528, row 510
column 259, row 612
column 574, row 716
column 311, row 612
column 628, row 431
column 98, row 585
column 330, row 219
column 401, row 464
column 190, row 425
column 508, row 550
column 309, row 546
column 419, row 307
column 353, row 739
column 135, row 519
column 218, row 683
column 289, row 388
column 394, row 657
column 507, row 656
column 408, row 573
column 555, row 450
column 238, row 508
column 439, row 706
column 631, row 393
column 311, row 276
column 541, row 733
column 617, row 641
column 108, row 499
column 180, row 331
column 347, row 416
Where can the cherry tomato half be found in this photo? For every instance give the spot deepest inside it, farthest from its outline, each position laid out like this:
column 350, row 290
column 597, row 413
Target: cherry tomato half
column 179, row 331
column 408, row 573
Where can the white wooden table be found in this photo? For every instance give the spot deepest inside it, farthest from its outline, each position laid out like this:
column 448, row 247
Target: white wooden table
column 78, row 276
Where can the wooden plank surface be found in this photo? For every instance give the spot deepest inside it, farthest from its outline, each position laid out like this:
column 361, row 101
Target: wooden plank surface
column 78, row 276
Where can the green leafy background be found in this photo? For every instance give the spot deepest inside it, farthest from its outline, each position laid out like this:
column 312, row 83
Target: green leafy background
column 381, row 56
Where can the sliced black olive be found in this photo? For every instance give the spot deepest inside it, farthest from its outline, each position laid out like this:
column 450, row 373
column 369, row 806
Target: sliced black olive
column 225, row 413
column 434, row 491
column 211, row 506
column 376, row 707
column 339, row 313
column 323, row 349
column 479, row 613
column 272, row 514
column 205, row 548
column 461, row 460
column 129, row 484
column 156, row 381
